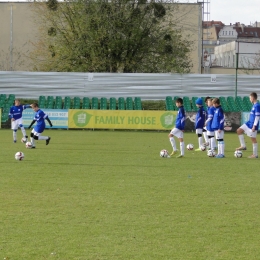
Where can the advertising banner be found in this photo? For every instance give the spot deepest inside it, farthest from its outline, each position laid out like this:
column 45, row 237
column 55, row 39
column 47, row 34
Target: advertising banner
column 122, row 119
column 58, row 117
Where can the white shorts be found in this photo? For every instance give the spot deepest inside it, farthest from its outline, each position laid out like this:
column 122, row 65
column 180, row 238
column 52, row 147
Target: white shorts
column 199, row 131
column 209, row 133
column 17, row 123
column 219, row 135
column 248, row 131
column 177, row 132
column 35, row 133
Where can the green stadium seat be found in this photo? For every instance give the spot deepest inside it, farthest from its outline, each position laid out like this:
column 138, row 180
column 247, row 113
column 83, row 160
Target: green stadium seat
column 240, row 104
column 85, row 103
column 224, row 104
column 112, row 103
column 4, row 117
column 3, row 97
column 58, row 102
column 247, row 103
column 76, row 103
column 193, row 102
column 42, row 101
column 50, row 102
column 137, row 103
column 129, row 103
column 231, row 104
column 67, row 103
column 169, row 103
column 187, row 104
column 121, row 103
column 94, row 103
column 103, row 103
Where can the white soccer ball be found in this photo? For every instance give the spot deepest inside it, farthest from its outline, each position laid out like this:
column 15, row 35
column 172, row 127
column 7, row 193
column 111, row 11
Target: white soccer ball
column 164, row 153
column 23, row 140
column 28, row 145
column 19, row 156
column 190, row 147
column 211, row 153
column 203, row 148
column 238, row 154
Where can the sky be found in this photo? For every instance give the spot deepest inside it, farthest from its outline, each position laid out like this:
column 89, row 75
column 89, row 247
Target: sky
column 232, row 11
column 227, row 11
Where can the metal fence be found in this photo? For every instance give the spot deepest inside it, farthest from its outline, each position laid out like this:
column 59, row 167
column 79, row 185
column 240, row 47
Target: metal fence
column 147, row 86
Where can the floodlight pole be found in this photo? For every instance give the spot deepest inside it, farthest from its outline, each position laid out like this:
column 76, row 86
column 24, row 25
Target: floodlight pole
column 237, row 57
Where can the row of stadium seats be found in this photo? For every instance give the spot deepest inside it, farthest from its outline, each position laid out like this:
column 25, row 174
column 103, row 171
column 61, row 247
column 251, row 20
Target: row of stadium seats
column 229, row 104
column 94, row 103
column 5, row 103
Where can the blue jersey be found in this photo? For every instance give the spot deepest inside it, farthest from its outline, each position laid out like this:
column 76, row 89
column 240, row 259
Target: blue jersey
column 17, row 111
column 255, row 111
column 210, row 114
column 218, row 119
column 40, row 117
column 180, row 119
column 200, row 118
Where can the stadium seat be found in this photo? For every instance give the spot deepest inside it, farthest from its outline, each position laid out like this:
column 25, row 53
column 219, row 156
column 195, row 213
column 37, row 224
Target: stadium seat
column 169, row 103
column 103, row 103
column 187, row 104
column 129, row 103
column 76, row 103
column 137, row 103
column 4, row 117
column 240, row 104
column 67, row 103
column 121, row 103
column 11, row 97
column 247, row 103
column 94, row 103
column 224, row 104
column 58, row 102
column 231, row 104
column 85, row 103
column 112, row 103
column 3, row 97
column 193, row 102
column 42, row 101
column 50, row 102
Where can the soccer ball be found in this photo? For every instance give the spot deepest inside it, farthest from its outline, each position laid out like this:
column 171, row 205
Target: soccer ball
column 28, row 145
column 190, row 147
column 203, row 148
column 211, row 153
column 23, row 140
column 19, row 156
column 238, row 154
column 164, row 153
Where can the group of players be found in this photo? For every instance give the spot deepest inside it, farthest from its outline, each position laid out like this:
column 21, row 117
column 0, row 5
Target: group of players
column 15, row 114
column 210, row 124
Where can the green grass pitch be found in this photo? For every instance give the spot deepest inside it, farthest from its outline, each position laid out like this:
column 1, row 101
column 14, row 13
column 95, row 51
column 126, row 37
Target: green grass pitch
column 107, row 195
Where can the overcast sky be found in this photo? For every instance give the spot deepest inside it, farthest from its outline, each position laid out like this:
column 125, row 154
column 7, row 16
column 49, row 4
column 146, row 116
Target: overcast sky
column 227, row 11
column 231, row 11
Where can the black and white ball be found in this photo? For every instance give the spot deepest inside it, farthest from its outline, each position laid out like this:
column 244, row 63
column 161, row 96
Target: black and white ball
column 19, row 156
column 203, row 148
column 190, row 147
column 211, row 153
column 238, row 154
column 23, row 140
column 164, row 153
column 28, row 145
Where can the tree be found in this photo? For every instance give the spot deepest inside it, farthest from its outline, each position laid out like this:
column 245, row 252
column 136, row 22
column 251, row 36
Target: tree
column 251, row 65
column 109, row 36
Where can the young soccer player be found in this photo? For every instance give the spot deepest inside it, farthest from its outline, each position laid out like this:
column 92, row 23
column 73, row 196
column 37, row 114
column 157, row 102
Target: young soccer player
column 208, row 123
column 250, row 127
column 40, row 117
column 200, row 121
column 218, row 126
column 178, row 129
column 15, row 114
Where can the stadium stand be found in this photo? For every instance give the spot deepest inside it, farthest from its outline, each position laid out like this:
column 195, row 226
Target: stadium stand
column 193, row 102
column 94, row 103
column 76, row 103
column 58, row 102
column 42, row 101
column 129, row 103
column 169, row 103
column 232, row 105
column 224, row 104
column 103, row 103
column 247, row 103
column 112, row 103
column 50, row 102
column 121, row 103
column 187, row 104
column 137, row 103
column 85, row 103
column 67, row 103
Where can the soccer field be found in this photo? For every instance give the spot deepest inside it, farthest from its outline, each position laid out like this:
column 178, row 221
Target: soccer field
column 107, row 195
